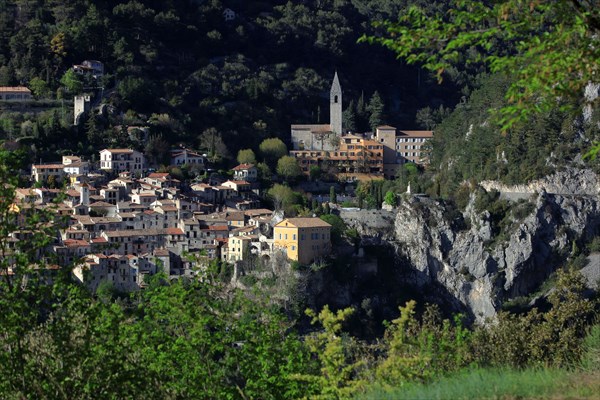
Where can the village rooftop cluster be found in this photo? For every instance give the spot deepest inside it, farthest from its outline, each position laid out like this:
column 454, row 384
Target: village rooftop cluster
column 126, row 221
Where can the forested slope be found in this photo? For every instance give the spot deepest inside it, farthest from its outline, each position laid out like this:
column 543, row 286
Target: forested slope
column 249, row 78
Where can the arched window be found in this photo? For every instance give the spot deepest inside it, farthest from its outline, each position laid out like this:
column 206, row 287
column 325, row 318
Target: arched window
column 335, row 99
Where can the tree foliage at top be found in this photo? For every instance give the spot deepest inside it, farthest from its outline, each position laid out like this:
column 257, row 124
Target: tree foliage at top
column 250, row 77
column 550, row 48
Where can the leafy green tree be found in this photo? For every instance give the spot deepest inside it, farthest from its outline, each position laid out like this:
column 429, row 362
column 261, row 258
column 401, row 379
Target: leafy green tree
column 72, row 82
column 288, row 167
column 549, row 47
column 272, row 150
column 39, row 87
column 390, row 198
column 246, row 156
column 58, row 45
column 156, row 151
column 419, row 352
column 315, row 172
column 282, row 196
column 264, row 172
column 332, row 195
column 338, row 377
column 136, row 93
column 92, row 129
column 212, row 140
column 7, row 76
column 535, row 338
column 338, row 226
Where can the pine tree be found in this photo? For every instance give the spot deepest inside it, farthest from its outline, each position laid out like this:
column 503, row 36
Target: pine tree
column 361, row 114
column 375, row 109
column 349, row 118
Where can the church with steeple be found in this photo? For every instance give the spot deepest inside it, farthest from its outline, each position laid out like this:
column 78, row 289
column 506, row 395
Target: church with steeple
column 322, row 136
column 354, row 155
column 335, row 106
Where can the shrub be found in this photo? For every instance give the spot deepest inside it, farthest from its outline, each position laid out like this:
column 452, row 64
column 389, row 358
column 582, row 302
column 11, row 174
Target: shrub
column 248, row 280
column 594, row 245
column 591, row 350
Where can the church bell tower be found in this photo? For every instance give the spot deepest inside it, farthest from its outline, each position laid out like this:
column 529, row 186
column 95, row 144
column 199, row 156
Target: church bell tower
column 335, row 106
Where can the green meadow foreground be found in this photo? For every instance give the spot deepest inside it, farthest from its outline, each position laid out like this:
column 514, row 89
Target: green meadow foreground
column 579, row 382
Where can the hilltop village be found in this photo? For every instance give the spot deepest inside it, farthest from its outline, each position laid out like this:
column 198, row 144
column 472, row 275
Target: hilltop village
column 125, row 221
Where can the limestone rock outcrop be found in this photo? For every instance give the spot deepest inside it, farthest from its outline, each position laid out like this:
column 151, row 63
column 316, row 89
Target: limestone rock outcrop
column 477, row 268
column 481, row 272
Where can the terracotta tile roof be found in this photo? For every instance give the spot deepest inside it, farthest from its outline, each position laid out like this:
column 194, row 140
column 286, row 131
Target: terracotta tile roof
column 305, row 222
column 75, row 243
column 218, row 228
column 313, row 127
column 159, row 175
column 143, row 232
column 83, row 219
column 105, row 220
column 161, row 252
column 248, row 228
column 425, row 134
column 21, row 89
column 245, row 237
column 240, row 182
column 168, row 208
column 258, row 212
column 119, row 150
column 98, row 255
column 134, row 232
column 243, row 166
column 26, row 192
column 102, row 204
column 48, row 166
column 127, row 214
column 234, row 215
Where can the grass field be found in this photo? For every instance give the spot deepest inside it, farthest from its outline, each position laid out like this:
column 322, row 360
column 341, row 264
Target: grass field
column 501, row 384
column 580, row 382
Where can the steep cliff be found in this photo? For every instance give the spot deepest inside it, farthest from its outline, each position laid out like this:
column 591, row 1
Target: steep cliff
column 480, row 265
column 481, row 272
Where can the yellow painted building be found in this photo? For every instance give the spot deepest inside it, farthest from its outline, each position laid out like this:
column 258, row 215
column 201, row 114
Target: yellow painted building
column 304, row 239
column 238, row 247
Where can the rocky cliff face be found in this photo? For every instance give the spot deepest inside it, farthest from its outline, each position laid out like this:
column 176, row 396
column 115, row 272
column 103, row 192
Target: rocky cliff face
column 478, row 270
column 481, row 273
column 569, row 181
